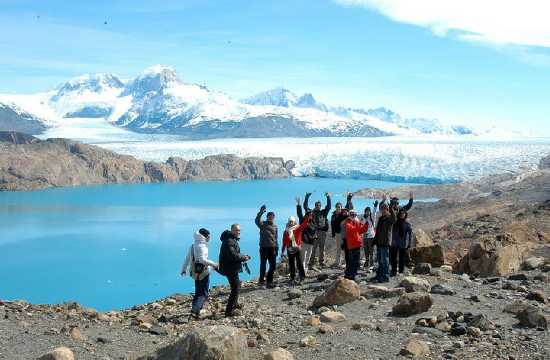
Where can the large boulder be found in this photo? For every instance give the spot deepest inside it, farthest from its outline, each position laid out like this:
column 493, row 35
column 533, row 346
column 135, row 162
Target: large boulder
column 433, row 255
column 531, row 316
column 422, row 239
column 60, row 353
column 415, row 349
column 533, row 263
column 412, row 283
column 279, row 354
column 341, row 291
column 206, row 343
column 497, row 256
column 412, row 304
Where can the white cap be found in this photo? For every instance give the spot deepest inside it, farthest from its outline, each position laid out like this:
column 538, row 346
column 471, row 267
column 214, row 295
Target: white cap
column 291, row 219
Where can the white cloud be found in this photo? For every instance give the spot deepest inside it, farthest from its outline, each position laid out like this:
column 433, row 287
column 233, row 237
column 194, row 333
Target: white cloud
column 495, row 22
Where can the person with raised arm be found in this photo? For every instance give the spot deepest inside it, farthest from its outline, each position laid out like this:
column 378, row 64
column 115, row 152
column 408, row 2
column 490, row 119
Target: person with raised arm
column 383, row 238
column 370, row 218
column 339, row 215
column 292, row 242
column 197, row 265
column 321, row 224
column 395, row 250
column 269, row 246
column 354, row 242
column 231, row 264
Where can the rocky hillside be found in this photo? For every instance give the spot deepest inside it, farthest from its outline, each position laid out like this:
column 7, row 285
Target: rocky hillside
column 27, row 163
column 13, row 118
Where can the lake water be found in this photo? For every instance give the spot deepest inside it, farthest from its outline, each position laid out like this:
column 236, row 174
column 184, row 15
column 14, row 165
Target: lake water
column 115, row 246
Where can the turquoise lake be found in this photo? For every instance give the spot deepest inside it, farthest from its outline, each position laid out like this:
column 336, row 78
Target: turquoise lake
column 114, row 246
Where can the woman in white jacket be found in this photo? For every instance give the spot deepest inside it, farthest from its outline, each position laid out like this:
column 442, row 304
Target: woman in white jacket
column 369, row 217
column 197, row 265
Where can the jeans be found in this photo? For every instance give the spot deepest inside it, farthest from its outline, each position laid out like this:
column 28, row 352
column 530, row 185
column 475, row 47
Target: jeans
column 338, row 242
column 352, row 263
column 306, row 254
column 395, row 254
column 267, row 254
column 235, row 284
column 201, row 294
column 368, row 248
column 296, row 260
column 319, row 244
column 382, row 272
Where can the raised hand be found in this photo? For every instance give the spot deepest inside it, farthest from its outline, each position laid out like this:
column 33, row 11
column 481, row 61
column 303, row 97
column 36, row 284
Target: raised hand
column 308, row 194
column 298, row 200
column 263, row 208
column 411, row 195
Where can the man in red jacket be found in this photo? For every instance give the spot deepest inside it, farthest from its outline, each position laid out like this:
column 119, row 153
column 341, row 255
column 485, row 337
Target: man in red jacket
column 354, row 243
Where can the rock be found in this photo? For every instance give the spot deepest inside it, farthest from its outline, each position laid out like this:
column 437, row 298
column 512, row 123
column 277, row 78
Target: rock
column 251, row 343
column 421, row 239
column 536, row 296
column 322, row 276
column 206, row 343
column 516, row 307
column 440, row 289
column 75, row 334
column 341, row 291
column 308, row 341
column 428, row 331
column 458, row 329
column 481, row 322
column 376, row 291
column 546, row 268
column 145, row 326
column 363, row 324
column 433, row 255
column 295, row 293
column 532, row 317
column 415, row 348
column 422, row 269
column 533, row 263
column 473, row 331
column 411, row 284
column 446, row 268
column 443, row 326
column 158, row 330
column 332, row 316
column 412, row 303
column 279, row 354
column 60, row 353
column 103, row 340
column 326, row 329
column 314, row 320
column 518, row 277
column 493, row 256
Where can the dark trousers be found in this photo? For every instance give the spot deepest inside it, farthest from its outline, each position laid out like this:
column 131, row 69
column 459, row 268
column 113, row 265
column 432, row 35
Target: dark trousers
column 382, row 272
column 352, row 263
column 296, row 260
column 267, row 254
column 396, row 254
column 319, row 245
column 201, row 294
column 232, row 301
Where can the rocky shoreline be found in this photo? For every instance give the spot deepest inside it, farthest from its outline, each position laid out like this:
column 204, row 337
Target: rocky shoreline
column 27, row 163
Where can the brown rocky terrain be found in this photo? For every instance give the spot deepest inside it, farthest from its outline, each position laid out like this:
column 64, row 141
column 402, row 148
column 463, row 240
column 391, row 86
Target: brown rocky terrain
column 27, row 163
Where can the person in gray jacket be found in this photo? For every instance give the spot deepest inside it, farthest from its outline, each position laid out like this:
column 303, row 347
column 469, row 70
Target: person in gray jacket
column 269, row 246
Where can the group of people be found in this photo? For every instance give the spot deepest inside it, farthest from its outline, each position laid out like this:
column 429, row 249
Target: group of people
column 384, row 227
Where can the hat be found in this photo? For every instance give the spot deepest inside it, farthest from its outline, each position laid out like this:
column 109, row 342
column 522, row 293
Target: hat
column 204, row 232
column 291, row 219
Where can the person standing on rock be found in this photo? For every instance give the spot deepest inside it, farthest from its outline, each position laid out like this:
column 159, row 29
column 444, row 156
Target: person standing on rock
column 292, row 242
column 197, row 265
column 383, row 238
column 396, row 251
column 369, row 217
column 354, row 242
column 321, row 224
column 309, row 234
column 336, row 219
column 230, row 265
column 401, row 241
column 268, row 246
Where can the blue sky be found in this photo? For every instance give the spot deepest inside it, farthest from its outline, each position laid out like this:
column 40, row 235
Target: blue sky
column 469, row 64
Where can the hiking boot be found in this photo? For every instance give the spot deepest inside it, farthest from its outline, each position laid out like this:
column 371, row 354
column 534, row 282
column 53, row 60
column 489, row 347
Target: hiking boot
column 270, row 285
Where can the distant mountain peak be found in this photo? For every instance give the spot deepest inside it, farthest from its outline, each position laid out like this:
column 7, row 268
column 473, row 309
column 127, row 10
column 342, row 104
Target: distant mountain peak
column 278, row 96
column 154, row 79
column 95, row 83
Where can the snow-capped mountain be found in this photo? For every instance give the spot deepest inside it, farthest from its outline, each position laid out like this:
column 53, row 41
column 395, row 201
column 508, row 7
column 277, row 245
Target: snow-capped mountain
column 13, row 118
column 158, row 101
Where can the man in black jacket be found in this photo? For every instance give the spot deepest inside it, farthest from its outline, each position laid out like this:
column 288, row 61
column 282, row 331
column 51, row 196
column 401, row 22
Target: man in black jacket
column 230, row 265
column 320, row 221
column 338, row 216
column 383, row 240
column 268, row 246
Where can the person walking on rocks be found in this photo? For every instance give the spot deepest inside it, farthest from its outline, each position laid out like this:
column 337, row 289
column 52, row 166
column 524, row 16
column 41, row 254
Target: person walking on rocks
column 309, row 234
column 369, row 217
column 321, row 224
column 336, row 219
column 382, row 240
column 292, row 242
column 401, row 241
column 230, row 265
column 268, row 246
column 197, row 265
column 354, row 242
